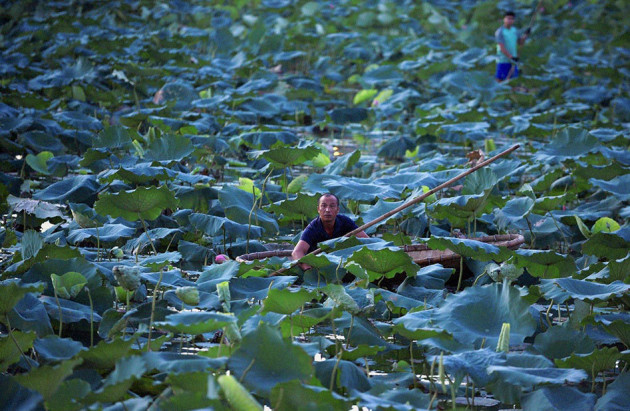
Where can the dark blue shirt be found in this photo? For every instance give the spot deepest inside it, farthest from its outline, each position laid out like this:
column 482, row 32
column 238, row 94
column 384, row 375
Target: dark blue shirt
column 315, row 231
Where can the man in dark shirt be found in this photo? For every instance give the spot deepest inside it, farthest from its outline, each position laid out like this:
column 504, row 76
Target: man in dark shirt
column 327, row 226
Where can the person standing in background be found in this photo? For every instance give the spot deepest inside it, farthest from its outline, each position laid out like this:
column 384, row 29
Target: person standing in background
column 508, row 39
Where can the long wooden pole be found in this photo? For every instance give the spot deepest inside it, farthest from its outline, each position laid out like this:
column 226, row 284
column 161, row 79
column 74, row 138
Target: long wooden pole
column 412, row 201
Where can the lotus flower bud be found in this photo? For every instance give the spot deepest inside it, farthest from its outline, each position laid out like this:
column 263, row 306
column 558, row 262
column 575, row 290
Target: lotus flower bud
column 221, row 258
column 504, row 338
column 127, row 277
column 189, row 295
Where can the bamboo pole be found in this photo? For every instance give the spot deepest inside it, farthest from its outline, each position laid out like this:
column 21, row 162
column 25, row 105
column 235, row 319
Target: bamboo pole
column 412, row 201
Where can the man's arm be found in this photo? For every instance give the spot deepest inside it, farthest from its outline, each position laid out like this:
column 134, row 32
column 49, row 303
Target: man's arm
column 362, row 235
column 521, row 40
column 505, row 51
column 300, row 250
column 498, row 35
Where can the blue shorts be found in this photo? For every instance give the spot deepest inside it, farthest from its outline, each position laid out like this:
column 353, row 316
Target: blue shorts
column 503, row 69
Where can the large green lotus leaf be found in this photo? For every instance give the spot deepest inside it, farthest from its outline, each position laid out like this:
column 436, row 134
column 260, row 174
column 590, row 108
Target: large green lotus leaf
column 136, row 245
column 590, row 94
column 139, row 174
column 387, row 74
column 161, row 259
column 217, row 226
column 39, row 162
column 41, row 141
column 600, row 359
column 41, row 271
column 560, row 342
column 616, row 397
column 433, row 277
column 531, row 377
column 67, row 396
column 264, row 359
column 286, row 301
column 9, row 352
column 104, row 355
column 169, row 147
column 72, row 311
column 545, row 263
column 344, row 374
column 31, row 243
column 558, row 398
column 55, row 349
column 76, row 189
column 301, row 322
column 39, row 209
column 513, row 211
column 470, row 248
column 396, row 148
column 264, row 140
column 480, row 182
column 399, row 398
column 68, row 285
column 78, row 120
column 376, row 264
column 618, row 186
column 47, row 379
column 613, row 245
column 175, row 363
column 617, row 324
column 348, row 115
column 283, row 156
column 18, row 397
column 360, row 331
column 561, row 289
column 379, row 209
column 108, row 233
column 570, row 143
column 340, row 298
column 459, row 207
column 114, row 137
column 398, row 300
column 256, row 287
column 29, row 314
column 82, row 71
column 479, row 312
column 356, row 189
column 300, row 208
column 417, row 326
column 294, row 395
column 13, row 290
column 189, row 382
column 260, row 107
column 621, row 156
column 85, row 216
column 472, row 82
column 550, row 203
column 343, row 163
column 146, row 203
column 237, row 205
column 118, row 382
column 472, row 363
column 217, row 273
column 196, row 322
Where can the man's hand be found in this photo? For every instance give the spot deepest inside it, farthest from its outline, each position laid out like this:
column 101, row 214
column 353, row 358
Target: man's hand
column 304, row 266
column 528, row 31
column 515, row 59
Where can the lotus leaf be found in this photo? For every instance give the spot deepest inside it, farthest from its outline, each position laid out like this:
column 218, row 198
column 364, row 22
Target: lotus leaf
column 292, row 395
column 558, row 398
column 490, row 306
column 9, row 352
column 374, row 265
column 55, row 349
column 145, row 203
column 269, row 360
column 286, row 301
column 616, row 397
column 561, row 289
column 609, row 245
column 196, row 322
column 13, row 290
column 560, row 342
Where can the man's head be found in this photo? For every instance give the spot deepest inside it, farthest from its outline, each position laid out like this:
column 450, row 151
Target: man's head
column 508, row 19
column 328, row 207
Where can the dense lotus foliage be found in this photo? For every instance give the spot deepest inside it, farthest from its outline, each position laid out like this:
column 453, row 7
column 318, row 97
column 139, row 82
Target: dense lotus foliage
column 140, row 140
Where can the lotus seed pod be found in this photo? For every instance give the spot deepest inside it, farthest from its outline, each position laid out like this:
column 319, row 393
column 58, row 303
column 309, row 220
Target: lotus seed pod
column 127, row 277
column 189, row 295
column 510, row 272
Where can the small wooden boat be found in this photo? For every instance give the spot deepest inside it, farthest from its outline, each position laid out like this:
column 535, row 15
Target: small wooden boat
column 420, row 253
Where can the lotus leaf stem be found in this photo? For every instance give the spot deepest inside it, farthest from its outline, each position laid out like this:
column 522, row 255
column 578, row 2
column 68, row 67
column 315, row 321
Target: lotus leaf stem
column 349, row 331
column 98, row 245
column 461, row 273
column 91, row 317
column 60, row 312
column 333, row 375
column 547, row 313
column 155, row 292
column 413, row 366
column 249, row 367
column 146, row 232
column 249, row 219
column 17, row 345
column 564, row 237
